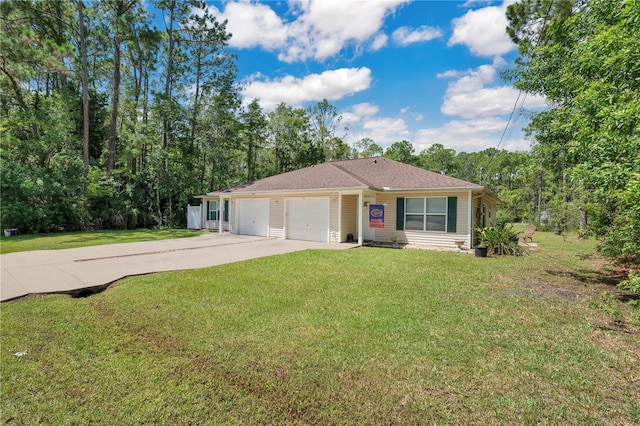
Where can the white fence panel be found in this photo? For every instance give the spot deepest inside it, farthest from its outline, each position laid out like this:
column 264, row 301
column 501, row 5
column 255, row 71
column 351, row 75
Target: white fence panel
column 194, row 217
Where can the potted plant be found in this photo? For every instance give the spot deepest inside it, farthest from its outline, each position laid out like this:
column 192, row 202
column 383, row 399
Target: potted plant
column 481, row 246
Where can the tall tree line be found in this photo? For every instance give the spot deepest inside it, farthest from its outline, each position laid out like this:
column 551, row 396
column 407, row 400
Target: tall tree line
column 110, row 121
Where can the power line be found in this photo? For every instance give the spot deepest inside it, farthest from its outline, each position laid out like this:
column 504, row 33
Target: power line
column 520, row 92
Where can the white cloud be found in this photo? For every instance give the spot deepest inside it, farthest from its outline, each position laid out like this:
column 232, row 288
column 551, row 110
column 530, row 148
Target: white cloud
column 320, row 28
column 385, row 130
column 359, row 112
column 469, row 136
column 331, row 85
column 379, row 42
column 252, row 25
column 469, row 96
column 483, row 31
column 364, row 123
column 405, row 36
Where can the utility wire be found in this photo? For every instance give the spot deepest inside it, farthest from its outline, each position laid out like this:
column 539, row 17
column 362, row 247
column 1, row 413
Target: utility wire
column 520, row 92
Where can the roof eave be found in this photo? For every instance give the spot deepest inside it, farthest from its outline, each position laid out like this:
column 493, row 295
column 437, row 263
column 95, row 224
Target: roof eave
column 444, row 188
column 287, row 191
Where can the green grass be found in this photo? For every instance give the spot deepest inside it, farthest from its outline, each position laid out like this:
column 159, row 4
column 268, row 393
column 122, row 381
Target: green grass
column 67, row 240
column 364, row 336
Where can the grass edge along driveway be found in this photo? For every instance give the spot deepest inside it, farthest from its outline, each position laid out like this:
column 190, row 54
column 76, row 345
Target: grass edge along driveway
column 368, row 336
column 66, row 240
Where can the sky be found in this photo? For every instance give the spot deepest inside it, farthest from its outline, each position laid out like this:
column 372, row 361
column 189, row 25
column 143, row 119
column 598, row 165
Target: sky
column 422, row 71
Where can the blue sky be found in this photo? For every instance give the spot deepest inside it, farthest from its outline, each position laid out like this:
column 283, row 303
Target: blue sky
column 423, row 71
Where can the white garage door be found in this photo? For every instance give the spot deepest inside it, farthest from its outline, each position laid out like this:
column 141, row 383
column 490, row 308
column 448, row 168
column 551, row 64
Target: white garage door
column 308, row 219
column 253, row 216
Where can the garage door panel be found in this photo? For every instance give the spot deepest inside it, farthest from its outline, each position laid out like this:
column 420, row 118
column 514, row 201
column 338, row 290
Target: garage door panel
column 308, row 219
column 253, row 216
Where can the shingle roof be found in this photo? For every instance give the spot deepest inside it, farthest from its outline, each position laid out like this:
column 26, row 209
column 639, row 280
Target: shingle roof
column 372, row 173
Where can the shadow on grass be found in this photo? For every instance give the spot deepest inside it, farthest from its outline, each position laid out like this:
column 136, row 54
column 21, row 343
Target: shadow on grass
column 608, row 277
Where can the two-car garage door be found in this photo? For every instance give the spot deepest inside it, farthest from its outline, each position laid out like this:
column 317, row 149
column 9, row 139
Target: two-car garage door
column 308, row 219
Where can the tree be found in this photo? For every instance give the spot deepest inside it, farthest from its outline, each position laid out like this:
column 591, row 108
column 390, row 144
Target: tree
column 290, row 139
column 438, row 159
column 85, row 90
column 325, row 124
column 585, row 61
column 253, row 135
column 401, row 151
column 366, row 147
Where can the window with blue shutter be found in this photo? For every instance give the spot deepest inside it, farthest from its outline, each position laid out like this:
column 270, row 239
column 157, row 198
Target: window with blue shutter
column 452, row 213
column 400, row 214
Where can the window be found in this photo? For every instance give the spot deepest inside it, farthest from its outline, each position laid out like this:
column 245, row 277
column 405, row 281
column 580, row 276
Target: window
column 426, row 214
column 212, row 210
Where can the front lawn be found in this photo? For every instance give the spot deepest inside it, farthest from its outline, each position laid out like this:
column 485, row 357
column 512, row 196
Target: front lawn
column 367, row 336
column 65, row 240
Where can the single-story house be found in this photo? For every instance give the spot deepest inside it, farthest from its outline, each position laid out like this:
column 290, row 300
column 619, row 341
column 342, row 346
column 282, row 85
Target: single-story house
column 366, row 199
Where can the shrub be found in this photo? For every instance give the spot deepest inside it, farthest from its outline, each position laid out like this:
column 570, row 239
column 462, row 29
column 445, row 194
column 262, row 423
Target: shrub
column 500, row 240
column 632, row 285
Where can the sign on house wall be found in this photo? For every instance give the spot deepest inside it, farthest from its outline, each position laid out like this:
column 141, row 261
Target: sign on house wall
column 376, row 215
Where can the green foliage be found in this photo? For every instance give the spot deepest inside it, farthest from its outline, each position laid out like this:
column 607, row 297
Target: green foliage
column 585, row 62
column 632, row 284
column 609, row 304
column 500, row 240
column 401, row 151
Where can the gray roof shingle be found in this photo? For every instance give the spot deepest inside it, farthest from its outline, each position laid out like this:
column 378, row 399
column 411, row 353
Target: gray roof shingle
column 373, row 173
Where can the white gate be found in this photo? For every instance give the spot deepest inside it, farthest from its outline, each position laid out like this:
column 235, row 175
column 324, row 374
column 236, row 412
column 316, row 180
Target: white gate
column 194, row 217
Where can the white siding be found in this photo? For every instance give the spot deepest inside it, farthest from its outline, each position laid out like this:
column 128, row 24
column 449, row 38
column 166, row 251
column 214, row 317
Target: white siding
column 436, row 239
column 276, row 216
column 349, row 217
column 334, row 221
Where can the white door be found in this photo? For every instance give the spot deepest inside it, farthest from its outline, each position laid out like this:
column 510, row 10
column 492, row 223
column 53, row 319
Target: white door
column 308, row 219
column 253, row 216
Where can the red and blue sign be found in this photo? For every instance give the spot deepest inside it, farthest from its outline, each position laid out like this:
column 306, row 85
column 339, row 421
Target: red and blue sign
column 376, row 215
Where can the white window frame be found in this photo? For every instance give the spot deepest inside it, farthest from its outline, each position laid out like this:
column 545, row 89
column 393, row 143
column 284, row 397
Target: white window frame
column 425, row 214
column 214, row 210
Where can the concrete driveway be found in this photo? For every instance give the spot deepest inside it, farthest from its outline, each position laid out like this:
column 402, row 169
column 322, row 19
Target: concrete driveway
column 90, row 269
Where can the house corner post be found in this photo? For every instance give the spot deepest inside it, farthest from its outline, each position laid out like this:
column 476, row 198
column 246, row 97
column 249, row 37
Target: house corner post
column 470, row 218
column 360, row 231
column 220, row 214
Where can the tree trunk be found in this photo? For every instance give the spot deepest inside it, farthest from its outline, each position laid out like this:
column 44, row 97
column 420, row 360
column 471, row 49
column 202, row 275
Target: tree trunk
column 85, row 92
column 167, row 87
column 115, row 99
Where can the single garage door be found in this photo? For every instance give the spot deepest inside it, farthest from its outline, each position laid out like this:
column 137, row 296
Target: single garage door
column 253, row 216
column 308, row 219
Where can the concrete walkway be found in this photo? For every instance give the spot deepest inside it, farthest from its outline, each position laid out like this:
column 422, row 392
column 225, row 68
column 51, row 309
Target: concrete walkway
column 94, row 268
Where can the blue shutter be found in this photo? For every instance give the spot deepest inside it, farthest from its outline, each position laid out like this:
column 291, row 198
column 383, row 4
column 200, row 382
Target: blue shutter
column 208, row 210
column 400, row 214
column 226, row 211
column 452, row 213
